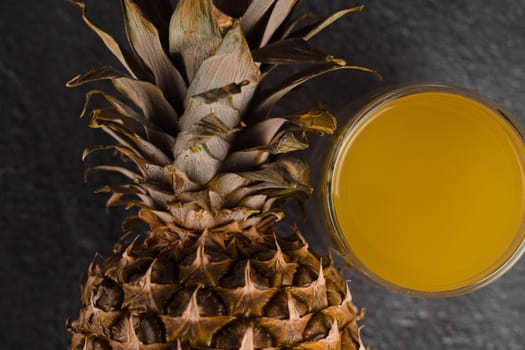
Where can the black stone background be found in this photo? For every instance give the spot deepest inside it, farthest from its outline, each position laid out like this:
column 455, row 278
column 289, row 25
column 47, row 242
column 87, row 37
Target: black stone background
column 51, row 224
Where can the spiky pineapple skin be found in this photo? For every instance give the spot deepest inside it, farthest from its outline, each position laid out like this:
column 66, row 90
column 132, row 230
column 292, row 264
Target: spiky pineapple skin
column 236, row 289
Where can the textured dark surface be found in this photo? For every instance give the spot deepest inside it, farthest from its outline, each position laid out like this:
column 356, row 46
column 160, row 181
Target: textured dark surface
column 51, row 224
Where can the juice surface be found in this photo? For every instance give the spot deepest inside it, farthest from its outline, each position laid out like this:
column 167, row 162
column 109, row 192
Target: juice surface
column 428, row 191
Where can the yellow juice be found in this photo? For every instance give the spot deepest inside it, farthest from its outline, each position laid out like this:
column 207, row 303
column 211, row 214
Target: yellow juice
column 428, row 189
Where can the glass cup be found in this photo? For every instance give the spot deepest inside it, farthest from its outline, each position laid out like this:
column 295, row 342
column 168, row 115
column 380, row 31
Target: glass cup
column 432, row 180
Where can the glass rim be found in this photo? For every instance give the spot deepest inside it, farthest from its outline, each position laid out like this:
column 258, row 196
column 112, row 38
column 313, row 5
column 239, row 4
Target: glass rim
column 344, row 250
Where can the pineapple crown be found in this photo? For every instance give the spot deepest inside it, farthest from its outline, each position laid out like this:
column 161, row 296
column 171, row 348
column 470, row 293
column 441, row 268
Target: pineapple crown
column 196, row 120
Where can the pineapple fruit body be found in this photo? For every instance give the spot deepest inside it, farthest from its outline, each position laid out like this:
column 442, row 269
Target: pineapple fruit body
column 208, row 163
column 229, row 289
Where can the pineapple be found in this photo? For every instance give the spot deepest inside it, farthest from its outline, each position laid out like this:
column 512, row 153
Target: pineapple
column 207, row 162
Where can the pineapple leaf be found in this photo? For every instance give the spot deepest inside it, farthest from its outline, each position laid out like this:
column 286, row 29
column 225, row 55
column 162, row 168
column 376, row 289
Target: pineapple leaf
column 260, row 133
column 111, row 116
column 145, row 40
column 148, row 170
column 212, row 125
column 89, row 150
column 284, row 142
column 151, row 101
column 316, row 120
column 144, row 95
column 122, row 189
column 99, row 72
column 268, row 137
column 292, row 51
column 222, row 92
column 280, row 12
column 232, row 62
column 152, row 132
column 313, row 29
column 198, row 163
column 113, row 168
column 128, row 60
column 179, row 180
column 158, row 12
column 160, row 195
column 227, row 183
column 114, row 134
column 280, row 143
column 282, row 177
column 120, row 106
column 290, row 23
column 254, row 13
column 267, row 102
column 194, row 34
column 245, row 160
column 146, row 149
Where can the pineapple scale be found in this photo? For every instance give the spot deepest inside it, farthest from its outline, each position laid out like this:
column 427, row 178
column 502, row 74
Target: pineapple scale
column 233, row 290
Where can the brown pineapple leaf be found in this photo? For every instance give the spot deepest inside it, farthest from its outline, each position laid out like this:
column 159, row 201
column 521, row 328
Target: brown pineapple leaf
column 98, row 72
column 122, row 189
column 212, row 125
column 154, row 134
column 127, row 59
column 232, row 62
column 144, row 95
column 151, row 100
column 261, row 133
column 282, row 177
column 148, row 150
column 148, row 170
column 111, row 130
column 89, row 150
column 292, row 51
column 244, row 161
column 119, row 106
column 257, row 141
column 271, row 98
column 130, row 174
column 280, row 12
column 158, row 12
column 316, row 120
column 254, row 13
column 290, row 24
column 124, row 134
column 145, row 40
column 313, row 29
column 284, row 142
column 111, row 116
column 225, row 185
column 194, row 34
column 199, row 158
column 217, row 94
